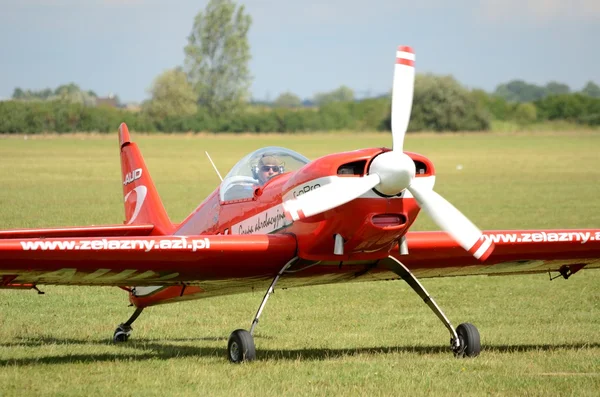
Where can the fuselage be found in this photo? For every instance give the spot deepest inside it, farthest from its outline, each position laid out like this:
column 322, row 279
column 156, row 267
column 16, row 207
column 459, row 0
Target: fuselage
column 370, row 225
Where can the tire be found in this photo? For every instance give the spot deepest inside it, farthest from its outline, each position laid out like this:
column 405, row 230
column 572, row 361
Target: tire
column 469, row 340
column 240, row 347
column 120, row 336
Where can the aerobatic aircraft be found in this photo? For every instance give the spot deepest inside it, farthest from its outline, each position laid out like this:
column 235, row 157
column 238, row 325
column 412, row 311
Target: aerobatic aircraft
column 278, row 218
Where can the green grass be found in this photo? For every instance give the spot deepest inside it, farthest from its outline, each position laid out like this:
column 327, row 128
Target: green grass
column 545, row 126
column 539, row 337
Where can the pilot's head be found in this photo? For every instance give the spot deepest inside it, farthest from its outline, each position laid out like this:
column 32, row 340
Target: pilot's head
column 268, row 166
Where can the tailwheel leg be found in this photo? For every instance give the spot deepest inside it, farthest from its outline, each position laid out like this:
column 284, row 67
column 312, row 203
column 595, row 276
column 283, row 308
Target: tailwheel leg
column 124, row 330
column 465, row 340
column 240, row 346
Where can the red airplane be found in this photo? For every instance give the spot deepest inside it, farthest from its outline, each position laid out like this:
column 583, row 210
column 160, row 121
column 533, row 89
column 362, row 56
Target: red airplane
column 279, row 218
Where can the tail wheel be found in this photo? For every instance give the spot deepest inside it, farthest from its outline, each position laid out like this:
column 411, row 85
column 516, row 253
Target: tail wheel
column 470, row 344
column 122, row 333
column 241, row 346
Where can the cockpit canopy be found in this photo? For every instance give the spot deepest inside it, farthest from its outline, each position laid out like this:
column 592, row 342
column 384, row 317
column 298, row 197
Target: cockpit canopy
column 241, row 181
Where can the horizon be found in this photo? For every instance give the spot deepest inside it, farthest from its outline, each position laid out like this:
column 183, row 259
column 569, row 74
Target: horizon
column 120, row 46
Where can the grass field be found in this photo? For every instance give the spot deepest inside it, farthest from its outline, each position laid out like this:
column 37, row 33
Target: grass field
column 538, row 337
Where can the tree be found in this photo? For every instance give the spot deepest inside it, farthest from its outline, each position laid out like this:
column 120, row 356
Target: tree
column 172, row 96
column 554, row 88
column 66, row 89
column 18, row 93
column 287, row 100
column 440, row 103
column 342, row 94
column 71, row 93
column 563, row 107
column 526, row 113
column 590, row 89
column 217, row 56
column 520, row 91
column 29, row 95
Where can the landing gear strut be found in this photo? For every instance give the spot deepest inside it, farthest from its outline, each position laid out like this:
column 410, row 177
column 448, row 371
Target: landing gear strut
column 240, row 346
column 464, row 341
column 124, row 330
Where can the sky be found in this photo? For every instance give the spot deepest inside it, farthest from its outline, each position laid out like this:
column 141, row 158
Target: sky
column 301, row 46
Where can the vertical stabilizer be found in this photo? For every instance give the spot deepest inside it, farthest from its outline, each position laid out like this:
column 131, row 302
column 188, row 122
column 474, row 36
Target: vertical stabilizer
column 142, row 202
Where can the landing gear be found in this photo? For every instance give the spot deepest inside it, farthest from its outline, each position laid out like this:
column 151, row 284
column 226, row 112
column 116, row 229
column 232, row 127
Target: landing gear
column 240, row 347
column 468, row 337
column 464, row 341
column 124, row 330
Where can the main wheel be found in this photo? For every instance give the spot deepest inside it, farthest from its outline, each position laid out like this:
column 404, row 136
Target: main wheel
column 241, row 346
column 470, row 344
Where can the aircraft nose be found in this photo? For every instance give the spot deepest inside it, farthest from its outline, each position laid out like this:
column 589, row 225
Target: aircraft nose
column 396, row 171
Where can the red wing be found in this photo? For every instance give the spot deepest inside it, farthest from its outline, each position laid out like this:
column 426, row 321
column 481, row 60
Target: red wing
column 152, row 260
column 435, row 254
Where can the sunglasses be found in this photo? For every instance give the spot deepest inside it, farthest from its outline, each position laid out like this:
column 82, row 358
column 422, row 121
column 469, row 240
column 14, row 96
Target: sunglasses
column 266, row 168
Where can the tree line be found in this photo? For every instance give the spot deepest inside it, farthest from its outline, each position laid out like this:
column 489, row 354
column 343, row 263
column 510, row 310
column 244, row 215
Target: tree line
column 521, row 91
column 440, row 104
column 210, row 92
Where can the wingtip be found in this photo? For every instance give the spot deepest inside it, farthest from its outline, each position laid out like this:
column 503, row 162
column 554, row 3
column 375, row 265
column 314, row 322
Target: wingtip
column 124, row 138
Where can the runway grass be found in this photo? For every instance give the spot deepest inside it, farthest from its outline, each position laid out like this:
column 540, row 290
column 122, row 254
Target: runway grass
column 539, row 337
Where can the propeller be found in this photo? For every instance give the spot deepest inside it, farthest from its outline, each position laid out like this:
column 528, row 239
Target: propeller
column 392, row 172
column 330, row 196
column 402, row 94
column 453, row 222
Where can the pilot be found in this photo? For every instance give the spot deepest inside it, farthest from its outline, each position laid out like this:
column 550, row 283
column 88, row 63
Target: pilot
column 268, row 166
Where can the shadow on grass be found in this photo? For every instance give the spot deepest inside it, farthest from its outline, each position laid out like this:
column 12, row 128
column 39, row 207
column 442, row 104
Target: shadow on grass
column 50, row 340
column 152, row 349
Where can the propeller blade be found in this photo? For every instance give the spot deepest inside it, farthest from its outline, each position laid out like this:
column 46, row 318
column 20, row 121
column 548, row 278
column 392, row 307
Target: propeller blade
column 402, row 94
column 329, row 196
column 453, row 222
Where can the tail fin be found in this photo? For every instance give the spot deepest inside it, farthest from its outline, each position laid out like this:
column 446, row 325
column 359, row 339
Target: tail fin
column 142, row 202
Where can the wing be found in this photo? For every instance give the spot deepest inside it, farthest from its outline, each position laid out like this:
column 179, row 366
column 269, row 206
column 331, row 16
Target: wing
column 141, row 261
column 249, row 259
column 435, row 254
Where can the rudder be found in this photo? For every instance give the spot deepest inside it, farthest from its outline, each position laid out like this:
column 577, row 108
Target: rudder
column 142, row 202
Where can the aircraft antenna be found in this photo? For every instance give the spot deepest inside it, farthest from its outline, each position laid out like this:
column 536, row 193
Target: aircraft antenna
column 214, row 166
